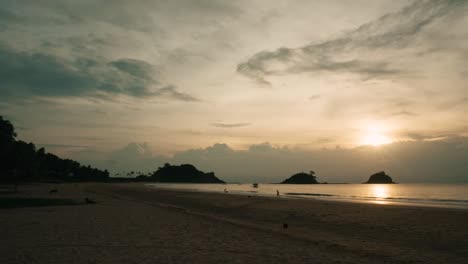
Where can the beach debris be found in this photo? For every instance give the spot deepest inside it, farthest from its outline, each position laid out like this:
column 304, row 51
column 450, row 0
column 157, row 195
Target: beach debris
column 255, row 185
column 53, row 191
column 285, row 225
column 89, row 201
column 225, row 190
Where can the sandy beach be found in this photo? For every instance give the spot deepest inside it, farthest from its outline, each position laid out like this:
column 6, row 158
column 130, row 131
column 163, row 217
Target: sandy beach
column 131, row 223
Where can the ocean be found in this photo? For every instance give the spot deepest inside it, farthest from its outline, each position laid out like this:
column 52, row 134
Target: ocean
column 433, row 195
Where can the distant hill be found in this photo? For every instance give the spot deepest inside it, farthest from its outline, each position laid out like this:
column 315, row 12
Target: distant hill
column 183, row 173
column 301, row 178
column 380, row 177
column 21, row 161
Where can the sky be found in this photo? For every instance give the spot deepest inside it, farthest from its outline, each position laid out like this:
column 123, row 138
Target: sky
column 255, row 90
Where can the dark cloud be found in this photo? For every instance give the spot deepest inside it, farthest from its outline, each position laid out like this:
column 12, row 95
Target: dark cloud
column 134, row 16
column 353, row 51
column 171, row 92
column 134, row 67
column 230, row 125
column 30, row 74
column 40, row 74
column 7, row 17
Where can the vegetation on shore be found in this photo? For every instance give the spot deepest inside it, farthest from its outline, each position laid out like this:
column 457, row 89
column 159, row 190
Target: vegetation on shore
column 380, row 177
column 180, row 173
column 302, row 178
column 20, row 161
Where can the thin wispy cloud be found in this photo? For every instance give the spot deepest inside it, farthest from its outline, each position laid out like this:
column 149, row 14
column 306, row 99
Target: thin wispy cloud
column 230, row 125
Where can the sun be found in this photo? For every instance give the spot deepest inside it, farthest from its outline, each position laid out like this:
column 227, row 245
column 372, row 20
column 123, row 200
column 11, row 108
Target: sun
column 375, row 139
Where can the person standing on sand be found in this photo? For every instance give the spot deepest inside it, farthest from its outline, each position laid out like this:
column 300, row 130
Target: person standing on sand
column 277, row 193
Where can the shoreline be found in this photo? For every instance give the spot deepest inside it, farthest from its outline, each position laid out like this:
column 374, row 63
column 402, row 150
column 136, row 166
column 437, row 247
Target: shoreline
column 387, row 201
column 134, row 223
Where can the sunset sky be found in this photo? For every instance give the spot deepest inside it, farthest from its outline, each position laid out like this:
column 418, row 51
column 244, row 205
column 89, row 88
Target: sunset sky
column 132, row 84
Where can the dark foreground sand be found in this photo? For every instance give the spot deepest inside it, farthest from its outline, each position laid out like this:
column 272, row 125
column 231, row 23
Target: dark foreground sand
column 134, row 224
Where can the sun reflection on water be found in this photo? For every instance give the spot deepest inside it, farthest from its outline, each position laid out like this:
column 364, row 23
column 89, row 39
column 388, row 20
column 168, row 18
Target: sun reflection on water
column 380, row 192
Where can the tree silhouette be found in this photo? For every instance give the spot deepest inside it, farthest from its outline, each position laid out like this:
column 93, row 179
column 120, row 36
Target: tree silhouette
column 19, row 161
column 312, row 173
column 302, row 178
column 7, row 131
column 183, row 173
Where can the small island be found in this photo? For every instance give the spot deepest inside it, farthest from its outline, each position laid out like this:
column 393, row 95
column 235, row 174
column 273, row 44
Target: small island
column 380, row 178
column 302, row 178
column 183, row 173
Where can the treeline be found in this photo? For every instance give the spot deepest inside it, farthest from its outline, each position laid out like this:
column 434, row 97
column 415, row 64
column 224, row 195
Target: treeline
column 20, row 161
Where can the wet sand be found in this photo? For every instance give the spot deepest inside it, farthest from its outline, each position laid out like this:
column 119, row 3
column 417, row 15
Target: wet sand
column 131, row 223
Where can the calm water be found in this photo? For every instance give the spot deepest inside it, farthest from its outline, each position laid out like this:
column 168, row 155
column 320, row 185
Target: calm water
column 439, row 195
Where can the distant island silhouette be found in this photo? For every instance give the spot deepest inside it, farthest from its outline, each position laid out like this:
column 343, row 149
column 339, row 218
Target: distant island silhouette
column 380, row 177
column 302, row 178
column 183, row 173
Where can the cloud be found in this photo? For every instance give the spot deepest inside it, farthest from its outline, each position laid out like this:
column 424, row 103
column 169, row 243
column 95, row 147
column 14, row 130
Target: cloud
column 131, row 157
column 171, row 92
column 418, row 160
column 314, row 97
column 31, row 74
column 137, row 68
column 411, row 161
column 7, row 17
column 133, row 151
column 136, row 16
column 230, row 125
column 404, row 113
column 66, row 146
column 368, row 51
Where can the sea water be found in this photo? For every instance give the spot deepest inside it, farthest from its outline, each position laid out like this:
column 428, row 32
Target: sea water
column 435, row 195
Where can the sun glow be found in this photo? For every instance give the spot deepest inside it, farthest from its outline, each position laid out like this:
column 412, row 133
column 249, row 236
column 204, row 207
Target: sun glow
column 374, row 133
column 380, row 191
column 375, row 139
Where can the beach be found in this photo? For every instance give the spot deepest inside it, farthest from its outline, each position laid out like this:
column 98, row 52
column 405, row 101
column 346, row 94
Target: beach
column 132, row 223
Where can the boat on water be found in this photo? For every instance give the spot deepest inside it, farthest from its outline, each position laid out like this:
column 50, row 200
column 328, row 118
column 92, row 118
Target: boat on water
column 255, row 185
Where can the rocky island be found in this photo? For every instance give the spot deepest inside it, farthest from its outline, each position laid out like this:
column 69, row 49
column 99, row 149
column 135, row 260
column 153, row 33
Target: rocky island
column 380, row 177
column 183, row 173
column 301, row 178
